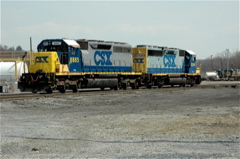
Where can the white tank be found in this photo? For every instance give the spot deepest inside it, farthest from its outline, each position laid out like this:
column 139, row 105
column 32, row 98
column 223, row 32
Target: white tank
column 8, row 68
column 8, row 76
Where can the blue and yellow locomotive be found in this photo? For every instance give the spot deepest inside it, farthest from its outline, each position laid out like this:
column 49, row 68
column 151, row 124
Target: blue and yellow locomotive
column 165, row 66
column 62, row 64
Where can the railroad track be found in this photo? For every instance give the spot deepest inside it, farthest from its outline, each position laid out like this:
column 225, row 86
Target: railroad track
column 17, row 96
column 21, row 96
column 85, row 92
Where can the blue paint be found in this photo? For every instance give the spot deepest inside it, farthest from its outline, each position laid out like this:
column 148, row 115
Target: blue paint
column 165, row 70
column 189, row 63
column 102, row 58
column 192, row 68
column 75, row 60
column 169, row 60
column 88, row 68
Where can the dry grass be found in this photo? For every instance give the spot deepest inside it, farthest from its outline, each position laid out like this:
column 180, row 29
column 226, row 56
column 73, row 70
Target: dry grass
column 208, row 125
column 155, row 126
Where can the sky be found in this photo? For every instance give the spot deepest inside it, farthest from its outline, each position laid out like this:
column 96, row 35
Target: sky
column 205, row 27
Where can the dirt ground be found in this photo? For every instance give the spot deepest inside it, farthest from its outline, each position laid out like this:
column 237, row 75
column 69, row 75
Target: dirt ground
column 164, row 123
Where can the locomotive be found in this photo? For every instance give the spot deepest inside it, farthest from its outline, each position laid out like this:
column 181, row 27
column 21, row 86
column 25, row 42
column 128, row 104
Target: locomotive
column 63, row 64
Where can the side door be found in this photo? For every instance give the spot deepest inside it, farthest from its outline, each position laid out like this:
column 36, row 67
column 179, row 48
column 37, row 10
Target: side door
column 187, row 62
column 75, row 59
column 192, row 67
column 139, row 60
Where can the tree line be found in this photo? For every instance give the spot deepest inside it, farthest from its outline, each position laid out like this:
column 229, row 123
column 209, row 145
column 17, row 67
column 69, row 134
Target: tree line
column 7, row 48
column 222, row 60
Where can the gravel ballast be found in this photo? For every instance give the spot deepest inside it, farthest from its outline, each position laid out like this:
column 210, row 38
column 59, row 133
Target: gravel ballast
column 184, row 123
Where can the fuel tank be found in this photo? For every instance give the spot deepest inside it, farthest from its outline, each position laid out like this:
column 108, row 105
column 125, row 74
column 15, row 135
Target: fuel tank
column 101, row 82
column 176, row 81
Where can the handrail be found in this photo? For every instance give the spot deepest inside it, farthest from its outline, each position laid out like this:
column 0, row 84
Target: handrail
column 16, row 56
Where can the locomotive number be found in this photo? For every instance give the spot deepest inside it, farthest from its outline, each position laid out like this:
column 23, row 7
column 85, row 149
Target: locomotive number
column 74, row 60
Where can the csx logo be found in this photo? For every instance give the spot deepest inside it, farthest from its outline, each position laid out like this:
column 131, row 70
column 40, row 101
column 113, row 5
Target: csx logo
column 102, row 58
column 42, row 59
column 169, row 60
column 138, row 60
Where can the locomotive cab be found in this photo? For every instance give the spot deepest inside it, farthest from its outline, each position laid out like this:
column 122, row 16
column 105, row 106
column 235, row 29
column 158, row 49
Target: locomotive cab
column 190, row 62
column 55, row 56
column 68, row 53
column 165, row 66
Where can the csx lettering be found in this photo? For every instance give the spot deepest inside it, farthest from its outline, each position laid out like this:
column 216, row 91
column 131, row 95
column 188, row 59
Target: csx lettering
column 169, row 60
column 102, row 58
column 138, row 60
column 42, row 59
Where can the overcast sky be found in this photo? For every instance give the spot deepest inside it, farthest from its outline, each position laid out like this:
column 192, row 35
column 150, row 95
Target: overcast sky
column 205, row 27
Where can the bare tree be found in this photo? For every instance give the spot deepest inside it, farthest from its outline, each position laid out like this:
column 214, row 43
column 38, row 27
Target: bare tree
column 219, row 61
column 6, row 48
column 19, row 48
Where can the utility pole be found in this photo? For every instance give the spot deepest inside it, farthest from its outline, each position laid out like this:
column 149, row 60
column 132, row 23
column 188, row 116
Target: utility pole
column 221, row 64
column 227, row 61
column 212, row 62
column 239, row 60
column 31, row 53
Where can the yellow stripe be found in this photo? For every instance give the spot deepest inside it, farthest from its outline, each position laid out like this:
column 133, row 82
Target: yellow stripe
column 97, row 73
column 166, row 74
column 124, row 73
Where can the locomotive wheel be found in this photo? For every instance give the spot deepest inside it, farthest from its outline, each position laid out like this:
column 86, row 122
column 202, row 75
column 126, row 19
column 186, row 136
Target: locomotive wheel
column 149, row 86
column 49, row 90
column 135, row 85
column 160, row 84
column 114, row 88
column 62, row 90
column 34, row 91
column 74, row 90
column 198, row 80
column 124, row 86
column 119, row 86
column 22, row 89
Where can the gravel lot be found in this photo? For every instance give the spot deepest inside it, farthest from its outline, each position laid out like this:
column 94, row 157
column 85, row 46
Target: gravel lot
column 160, row 123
